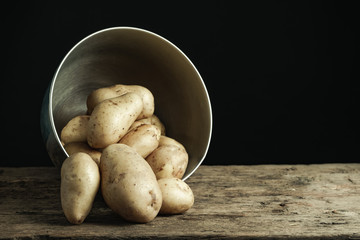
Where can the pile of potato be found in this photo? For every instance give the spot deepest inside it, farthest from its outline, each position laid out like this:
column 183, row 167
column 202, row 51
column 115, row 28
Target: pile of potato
column 121, row 145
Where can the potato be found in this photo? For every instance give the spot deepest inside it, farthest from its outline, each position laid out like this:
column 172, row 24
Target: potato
column 75, row 147
column 144, row 139
column 177, row 196
column 146, row 96
column 102, row 94
column 153, row 120
column 98, row 96
column 80, row 180
column 168, row 161
column 75, row 130
column 164, row 140
column 157, row 122
column 112, row 118
column 128, row 185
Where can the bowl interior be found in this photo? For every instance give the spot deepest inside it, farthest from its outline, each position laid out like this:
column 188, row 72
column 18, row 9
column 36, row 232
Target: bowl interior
column 135, row 56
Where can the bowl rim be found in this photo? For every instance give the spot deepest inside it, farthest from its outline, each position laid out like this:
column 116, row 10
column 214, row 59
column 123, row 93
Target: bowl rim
column 52, row 86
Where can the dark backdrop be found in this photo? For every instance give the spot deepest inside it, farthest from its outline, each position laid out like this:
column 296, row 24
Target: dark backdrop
column 283, row 76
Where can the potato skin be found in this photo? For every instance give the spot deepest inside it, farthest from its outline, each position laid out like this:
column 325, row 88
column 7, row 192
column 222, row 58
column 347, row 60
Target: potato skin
column 157, row 122
column 75, row 147
column 128, row 185
column 177, row 196
column 111, row 119
column 164, row 140
column 98, row 96
column 146, row 96
column 153, row 120
column 144, row 139
column 168, row 161
column 102, row 94
column 75, row 130
column 80, row 181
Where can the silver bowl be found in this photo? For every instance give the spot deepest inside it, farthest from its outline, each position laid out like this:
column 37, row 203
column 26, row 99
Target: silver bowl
column 130, row 55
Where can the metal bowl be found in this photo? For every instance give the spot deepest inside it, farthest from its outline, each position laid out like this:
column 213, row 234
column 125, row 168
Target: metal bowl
column 129, row 55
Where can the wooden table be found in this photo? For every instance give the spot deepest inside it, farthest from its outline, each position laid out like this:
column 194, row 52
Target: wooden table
column 242, row 202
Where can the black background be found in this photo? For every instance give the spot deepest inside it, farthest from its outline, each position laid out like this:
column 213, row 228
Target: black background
column 283, row 76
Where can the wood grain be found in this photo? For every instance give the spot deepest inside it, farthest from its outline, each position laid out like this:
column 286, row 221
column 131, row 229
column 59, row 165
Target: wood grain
column 231, row 202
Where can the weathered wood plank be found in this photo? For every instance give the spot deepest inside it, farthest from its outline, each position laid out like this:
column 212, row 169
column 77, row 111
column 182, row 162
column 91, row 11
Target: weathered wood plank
column 242, row 202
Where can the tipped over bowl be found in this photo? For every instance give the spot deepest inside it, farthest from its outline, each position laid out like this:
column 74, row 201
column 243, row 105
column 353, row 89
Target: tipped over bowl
column 127, row 55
